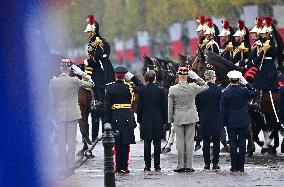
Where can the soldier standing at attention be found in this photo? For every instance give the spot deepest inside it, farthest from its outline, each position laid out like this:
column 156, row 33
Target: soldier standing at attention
column 182, row 113
column 234, row 113
column 64, row 109
column 118, row 98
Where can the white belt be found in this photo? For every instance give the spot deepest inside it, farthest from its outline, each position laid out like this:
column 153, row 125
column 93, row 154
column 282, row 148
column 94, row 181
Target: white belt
column 268, row 58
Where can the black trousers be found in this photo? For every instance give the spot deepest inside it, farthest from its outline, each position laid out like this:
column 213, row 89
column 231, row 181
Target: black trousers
column 121, row 155
column 147, row 152
column 237, row 139
column 206, row 149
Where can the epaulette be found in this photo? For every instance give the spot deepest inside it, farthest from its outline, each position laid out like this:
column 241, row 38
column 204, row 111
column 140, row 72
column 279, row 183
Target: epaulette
column 97, row 42
column 109, row 83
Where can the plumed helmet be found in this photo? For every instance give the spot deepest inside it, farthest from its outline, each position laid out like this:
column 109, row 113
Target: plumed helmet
column 210, row 27
column 202, row 23
column 226, row 28
column 258, row 26
column 91, row 24
column 267, row 28
column 241, row 32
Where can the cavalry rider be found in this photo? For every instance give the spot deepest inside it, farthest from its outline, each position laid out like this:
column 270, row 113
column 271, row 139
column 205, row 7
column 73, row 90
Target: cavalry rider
column 201, row 30
column 257, row 45
column 100, row 68
column 227, row 47
column 266, row 76
column 211, row 44
column 242, row 48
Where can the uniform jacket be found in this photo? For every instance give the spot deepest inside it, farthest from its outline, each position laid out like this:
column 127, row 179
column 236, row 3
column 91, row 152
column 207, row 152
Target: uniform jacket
column 152, row 112
column 234, row 101
column 213, row 46
column 63, row 97
column 208, row 107
column 266, row 78
column 226, row 54
column 241, row 55
column 181, row 102
column 122, row 119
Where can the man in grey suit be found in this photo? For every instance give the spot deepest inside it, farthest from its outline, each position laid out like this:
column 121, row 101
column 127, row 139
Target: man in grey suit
column 64, row 109
column 183, row 114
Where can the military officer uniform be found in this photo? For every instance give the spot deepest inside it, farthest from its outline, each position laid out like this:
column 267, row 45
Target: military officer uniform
column 235, row 116
column 64, row 109
column 182, row 113
column 118, row 98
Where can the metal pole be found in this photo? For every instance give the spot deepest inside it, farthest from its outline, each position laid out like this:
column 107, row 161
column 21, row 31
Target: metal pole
column 108, row 143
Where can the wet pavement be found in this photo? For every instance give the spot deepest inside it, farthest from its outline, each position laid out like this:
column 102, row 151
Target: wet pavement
column 260, row 170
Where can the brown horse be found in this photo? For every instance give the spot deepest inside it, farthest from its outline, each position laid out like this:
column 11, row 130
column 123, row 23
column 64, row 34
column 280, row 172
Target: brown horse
column 269, row 101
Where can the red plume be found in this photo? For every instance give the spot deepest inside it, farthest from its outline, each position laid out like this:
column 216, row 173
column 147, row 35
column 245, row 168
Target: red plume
column 226, row 24
column 201, row 19
column 268, row 21
column 241, row 24
column 91, row 19
column 209, row 22
column 259, row 22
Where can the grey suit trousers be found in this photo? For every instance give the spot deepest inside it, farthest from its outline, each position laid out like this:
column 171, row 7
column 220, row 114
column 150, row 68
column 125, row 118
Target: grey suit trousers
column 184, row 144
column 66, row 137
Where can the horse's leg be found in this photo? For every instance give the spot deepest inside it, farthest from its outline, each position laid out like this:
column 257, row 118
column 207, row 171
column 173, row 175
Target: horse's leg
column 250, row 146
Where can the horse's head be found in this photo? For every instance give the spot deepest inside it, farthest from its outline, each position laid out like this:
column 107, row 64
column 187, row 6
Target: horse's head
column 186, row 60
column 148, row 64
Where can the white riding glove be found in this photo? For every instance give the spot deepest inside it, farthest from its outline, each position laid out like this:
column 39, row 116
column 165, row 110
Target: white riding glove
column 86, row 62
column 77, row 70
column 243, row 81
column 193, row 75
column 129, row 76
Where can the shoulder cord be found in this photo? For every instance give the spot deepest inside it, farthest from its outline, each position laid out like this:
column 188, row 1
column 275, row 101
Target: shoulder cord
column 131, row 91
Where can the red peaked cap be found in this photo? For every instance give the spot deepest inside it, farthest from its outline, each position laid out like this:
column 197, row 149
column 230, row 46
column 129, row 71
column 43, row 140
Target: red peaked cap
column 209, row 22
column 201, row 19
column 268, row 21
column 241, row 24
column 91, row 19
column 259, row 22
column 226, row 24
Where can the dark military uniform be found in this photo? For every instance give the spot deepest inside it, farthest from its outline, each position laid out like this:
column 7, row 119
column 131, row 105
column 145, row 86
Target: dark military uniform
column 208, row 107
column 227, row 51
column 213, row 46
column 266, row 77
column 235, row 116
column 241, row 53
column 118, row 113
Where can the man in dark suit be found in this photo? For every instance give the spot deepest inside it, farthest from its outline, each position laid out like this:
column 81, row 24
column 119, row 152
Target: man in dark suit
column 235, row 116
column 152, row 115
column 208, row 107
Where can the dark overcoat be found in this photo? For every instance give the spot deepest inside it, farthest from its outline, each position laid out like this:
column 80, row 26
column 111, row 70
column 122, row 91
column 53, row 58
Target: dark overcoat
column 152, row 112
column 121, row 119
column 208, row 108
column 234, row 101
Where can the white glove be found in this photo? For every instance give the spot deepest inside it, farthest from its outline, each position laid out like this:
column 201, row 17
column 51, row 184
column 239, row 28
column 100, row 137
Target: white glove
column 77, row 70
column 243, row 80
column 193, row 75
column 86, row 62
column 129, row 76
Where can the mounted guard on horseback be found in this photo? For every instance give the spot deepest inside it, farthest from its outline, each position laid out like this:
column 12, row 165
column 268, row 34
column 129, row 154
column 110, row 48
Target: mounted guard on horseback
column 99, row 67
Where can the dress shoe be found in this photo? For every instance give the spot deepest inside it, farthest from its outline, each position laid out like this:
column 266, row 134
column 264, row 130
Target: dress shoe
column 179, row 170
column 233, row 169
column 207, row 166
column 157, row 168
column 123, row 171
column 147, row 168
column 189, row 170
column 216, row 166
column 241, row 170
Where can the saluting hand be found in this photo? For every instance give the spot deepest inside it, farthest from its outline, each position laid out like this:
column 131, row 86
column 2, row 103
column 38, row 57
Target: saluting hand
column 193, row 75
column 243, row 81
